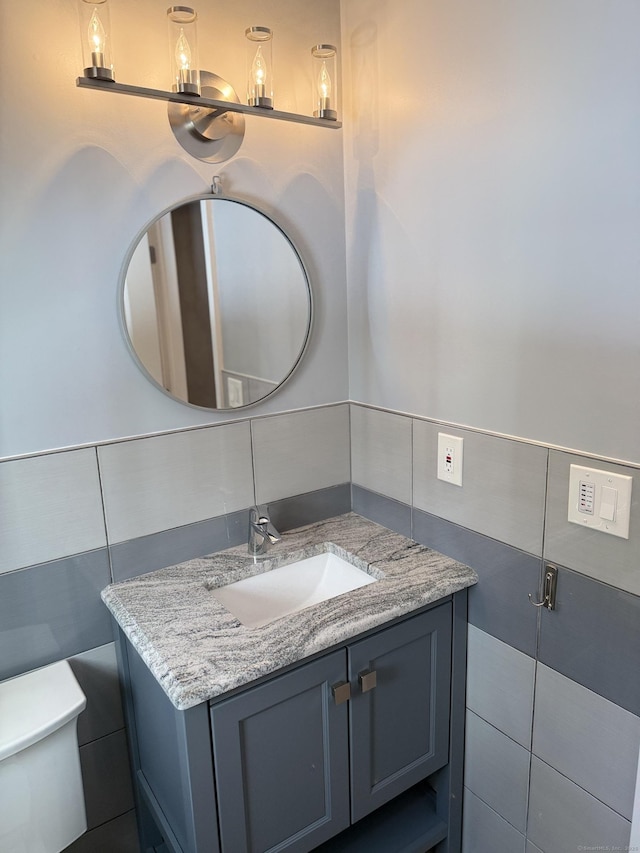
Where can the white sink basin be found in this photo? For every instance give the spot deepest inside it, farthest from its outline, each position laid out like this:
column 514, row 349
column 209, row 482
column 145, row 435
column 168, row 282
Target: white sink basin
column 260, row 599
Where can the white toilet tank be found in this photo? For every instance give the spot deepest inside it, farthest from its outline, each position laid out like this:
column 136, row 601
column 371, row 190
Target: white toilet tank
column 41, row 795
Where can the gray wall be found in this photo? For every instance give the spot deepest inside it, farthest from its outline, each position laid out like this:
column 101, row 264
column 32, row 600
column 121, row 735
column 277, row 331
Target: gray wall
column 491, row 173
column 492, row 180
column 71, row 522
column 77, row 190
column 553, row 698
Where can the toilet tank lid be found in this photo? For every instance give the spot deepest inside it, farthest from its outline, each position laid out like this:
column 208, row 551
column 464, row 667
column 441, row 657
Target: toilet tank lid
column 35, row 704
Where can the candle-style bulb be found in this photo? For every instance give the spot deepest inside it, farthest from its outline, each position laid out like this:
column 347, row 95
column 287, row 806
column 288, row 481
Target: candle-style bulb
column 97, row 39
column 183, row 49
column 259, row 73
column 259, row 67
column 95, row 34
column 183, row 53
column 323, row 80
column 324, row 85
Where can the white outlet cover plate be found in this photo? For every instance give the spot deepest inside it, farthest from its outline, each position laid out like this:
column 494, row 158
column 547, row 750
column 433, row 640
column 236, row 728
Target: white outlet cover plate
column 597, row 481
column 450, row 445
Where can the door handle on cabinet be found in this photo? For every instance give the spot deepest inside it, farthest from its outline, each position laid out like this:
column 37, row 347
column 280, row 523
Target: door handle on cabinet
column 367, row 679
column 341, row 692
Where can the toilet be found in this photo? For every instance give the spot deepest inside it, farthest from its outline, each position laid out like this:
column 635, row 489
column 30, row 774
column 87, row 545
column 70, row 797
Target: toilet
column 41, row 794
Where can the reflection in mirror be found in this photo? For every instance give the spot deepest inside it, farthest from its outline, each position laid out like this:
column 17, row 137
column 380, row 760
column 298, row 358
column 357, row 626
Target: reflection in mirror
column 216, row 303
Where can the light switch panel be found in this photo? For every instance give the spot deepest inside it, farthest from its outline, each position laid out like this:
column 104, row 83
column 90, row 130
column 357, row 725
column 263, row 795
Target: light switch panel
column 600, row 500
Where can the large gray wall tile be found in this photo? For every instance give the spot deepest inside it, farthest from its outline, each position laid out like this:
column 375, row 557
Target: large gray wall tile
column 117, row 836
column 106, row 778
column 635, row 820
column 97, row 673
column 301, row 452
column 484, row 831
column 496, row 769
column 381, row 452
column 166, row 481
column 500, row 683
column 591, row 552
column 594, row 638
column 503, row 485
column 498, row 603
column 564, row 817
column 298, row 511
column 169, row 547
column 587, row 738
column 50, row 507
column 392, row 514
column 53, row 611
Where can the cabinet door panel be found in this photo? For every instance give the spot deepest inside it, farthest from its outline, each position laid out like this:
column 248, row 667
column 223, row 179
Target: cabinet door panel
column 281, row 749
column 399, row 728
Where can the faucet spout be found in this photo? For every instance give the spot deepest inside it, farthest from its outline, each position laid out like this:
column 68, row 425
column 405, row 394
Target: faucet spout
column 262, row 533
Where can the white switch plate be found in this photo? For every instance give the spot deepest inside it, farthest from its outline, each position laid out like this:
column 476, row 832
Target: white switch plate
column 600, row 500
column 450, row 458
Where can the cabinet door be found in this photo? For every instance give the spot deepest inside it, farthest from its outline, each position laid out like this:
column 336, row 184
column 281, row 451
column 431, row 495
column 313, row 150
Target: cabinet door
column 399, row 728
column 281, row 760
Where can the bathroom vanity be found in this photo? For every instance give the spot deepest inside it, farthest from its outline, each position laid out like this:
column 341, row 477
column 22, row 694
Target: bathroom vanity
column 336, row 727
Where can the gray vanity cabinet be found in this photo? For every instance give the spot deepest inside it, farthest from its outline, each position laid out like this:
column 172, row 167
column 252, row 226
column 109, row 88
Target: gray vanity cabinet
column 282, row 763
column 399, row 728
column 295, row 766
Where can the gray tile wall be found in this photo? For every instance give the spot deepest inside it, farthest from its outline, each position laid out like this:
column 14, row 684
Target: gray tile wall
column 72, row 521
column 566, row 780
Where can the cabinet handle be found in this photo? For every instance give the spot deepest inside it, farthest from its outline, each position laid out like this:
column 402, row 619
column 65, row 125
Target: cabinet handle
column 368, row 679
column 341, row 692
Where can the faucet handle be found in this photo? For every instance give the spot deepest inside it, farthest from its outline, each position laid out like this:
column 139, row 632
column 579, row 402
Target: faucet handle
column 262, row 533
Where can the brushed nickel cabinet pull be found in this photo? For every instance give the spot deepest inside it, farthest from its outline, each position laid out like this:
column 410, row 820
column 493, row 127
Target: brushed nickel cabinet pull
column 368, row 679
column 341, row 692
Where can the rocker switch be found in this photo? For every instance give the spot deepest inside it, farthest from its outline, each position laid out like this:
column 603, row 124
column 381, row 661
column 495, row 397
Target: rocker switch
column 608, row 501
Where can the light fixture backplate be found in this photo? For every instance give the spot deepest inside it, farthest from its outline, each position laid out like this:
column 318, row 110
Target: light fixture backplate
column 210, row 135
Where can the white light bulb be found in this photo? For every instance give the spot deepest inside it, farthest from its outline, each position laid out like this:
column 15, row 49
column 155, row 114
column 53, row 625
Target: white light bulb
column 324, row 87
column 183, row 58
column 97, row 39
column 259, row 74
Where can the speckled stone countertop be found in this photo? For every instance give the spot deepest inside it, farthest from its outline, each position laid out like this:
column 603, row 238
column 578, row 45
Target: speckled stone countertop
column 197, row 649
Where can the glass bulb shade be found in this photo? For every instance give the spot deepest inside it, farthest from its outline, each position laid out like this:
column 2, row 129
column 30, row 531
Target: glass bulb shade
column 259, row 67
column 96, row 41
column 324, row 79
column 183, row 50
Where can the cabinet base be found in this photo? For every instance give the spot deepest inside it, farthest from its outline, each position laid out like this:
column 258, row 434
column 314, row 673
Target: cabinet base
column 407, row 824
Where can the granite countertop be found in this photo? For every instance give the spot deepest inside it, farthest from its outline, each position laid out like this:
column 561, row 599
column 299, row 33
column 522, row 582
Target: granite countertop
column 198, row 650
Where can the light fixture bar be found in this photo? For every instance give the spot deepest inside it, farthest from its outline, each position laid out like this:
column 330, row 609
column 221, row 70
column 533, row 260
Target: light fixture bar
column 207, row 103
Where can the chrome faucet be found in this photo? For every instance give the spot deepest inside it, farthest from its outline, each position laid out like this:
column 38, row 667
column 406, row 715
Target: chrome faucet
column 262, row 533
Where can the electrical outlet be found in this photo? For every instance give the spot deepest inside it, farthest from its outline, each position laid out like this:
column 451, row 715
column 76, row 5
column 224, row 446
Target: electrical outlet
column 450, row 458
column 600, row 499
column 234, row 392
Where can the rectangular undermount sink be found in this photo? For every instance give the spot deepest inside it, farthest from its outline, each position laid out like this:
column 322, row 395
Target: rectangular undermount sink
column 262, row 598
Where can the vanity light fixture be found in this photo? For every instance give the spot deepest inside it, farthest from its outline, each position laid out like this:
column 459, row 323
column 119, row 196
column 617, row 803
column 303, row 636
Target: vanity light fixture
column 205, row 114
column 324, row 81
column 183, row 49
column 96, row 40
column 259, row 67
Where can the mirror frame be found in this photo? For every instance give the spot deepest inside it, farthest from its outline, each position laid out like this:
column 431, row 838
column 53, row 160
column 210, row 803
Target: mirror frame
column 215, row 194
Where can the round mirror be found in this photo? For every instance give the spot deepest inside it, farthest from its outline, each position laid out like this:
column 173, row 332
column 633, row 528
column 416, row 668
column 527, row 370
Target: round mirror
column 216, row 303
